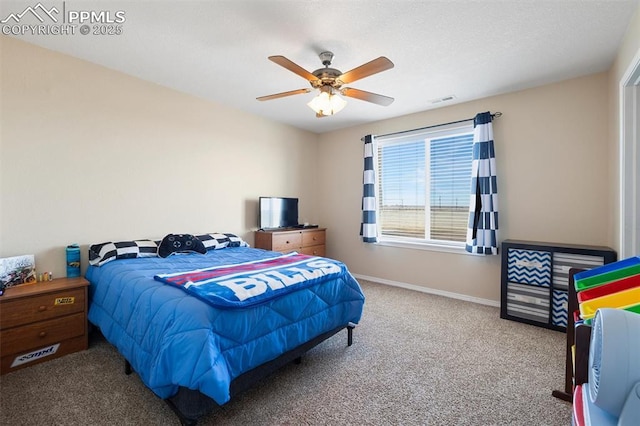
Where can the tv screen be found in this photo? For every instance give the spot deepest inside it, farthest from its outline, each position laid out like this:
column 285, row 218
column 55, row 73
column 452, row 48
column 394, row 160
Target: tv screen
column 278, row 212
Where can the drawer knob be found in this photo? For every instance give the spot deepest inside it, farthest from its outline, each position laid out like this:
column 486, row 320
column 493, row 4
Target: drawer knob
column 314, row 238
column 42, row 308
column 42, row 334
column 287, row 242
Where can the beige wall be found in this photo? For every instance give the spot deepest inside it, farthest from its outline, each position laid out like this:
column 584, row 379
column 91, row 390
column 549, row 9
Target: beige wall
column 629, row 47
column 90, row 155
column 553, row 181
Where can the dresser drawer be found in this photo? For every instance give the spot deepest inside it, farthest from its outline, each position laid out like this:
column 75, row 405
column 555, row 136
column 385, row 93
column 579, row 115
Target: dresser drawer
column 313, row 251
column 313, row 238
column 285, row 242
column 26, row 310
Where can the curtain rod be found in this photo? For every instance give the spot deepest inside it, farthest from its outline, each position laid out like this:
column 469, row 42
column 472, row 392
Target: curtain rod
column 495, row 115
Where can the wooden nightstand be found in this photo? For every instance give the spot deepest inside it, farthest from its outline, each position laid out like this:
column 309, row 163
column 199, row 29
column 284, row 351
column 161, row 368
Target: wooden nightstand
column 42, row 321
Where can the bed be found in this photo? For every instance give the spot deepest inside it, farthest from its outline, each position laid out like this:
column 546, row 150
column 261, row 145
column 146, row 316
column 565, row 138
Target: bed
column 195, row 348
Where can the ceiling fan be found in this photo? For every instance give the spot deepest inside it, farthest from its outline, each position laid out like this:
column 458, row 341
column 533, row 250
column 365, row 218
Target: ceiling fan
column 329, row 82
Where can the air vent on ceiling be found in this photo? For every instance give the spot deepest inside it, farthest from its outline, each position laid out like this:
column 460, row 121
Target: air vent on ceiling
column 445, row 99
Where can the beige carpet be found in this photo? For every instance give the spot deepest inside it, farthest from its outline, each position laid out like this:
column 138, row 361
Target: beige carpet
column 417, row 359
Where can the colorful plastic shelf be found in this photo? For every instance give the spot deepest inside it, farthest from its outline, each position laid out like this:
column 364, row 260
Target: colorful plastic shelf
column 620, row 300
column 607, row 273
column 610, row 288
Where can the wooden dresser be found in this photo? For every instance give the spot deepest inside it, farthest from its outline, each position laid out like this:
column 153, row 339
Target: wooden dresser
column 42, row 321
column 309, row 241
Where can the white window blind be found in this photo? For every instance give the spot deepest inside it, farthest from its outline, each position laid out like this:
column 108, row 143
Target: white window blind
column 424, row 182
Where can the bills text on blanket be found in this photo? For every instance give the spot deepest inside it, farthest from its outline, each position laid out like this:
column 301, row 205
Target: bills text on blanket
column 257, row 280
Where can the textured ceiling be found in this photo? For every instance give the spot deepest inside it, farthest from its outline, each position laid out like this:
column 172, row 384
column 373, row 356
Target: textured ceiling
column 218, row 50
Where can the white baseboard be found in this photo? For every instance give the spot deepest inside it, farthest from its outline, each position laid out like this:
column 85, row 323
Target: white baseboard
column 430, row 290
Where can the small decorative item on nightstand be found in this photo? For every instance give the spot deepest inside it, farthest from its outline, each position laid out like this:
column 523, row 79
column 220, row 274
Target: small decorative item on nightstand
column 17, row 270
column 73, row 260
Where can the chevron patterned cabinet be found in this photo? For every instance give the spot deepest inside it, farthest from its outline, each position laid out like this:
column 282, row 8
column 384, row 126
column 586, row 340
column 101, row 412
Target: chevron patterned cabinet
column 535, row 279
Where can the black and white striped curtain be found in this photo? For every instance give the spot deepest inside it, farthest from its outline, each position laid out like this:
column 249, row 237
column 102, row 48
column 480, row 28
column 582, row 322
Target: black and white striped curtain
column 368, row 227
column 482, row 232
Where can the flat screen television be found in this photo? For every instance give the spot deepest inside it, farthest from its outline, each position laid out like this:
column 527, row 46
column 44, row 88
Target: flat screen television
column 277, row 212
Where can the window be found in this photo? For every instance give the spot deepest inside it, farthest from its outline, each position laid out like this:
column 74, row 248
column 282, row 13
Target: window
column 424, row 185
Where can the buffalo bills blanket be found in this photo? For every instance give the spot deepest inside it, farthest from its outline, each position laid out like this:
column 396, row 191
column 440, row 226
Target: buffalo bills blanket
column 250, row 283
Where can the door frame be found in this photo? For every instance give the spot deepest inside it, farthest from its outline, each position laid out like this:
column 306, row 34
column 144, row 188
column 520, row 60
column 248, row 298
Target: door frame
column 630, row 160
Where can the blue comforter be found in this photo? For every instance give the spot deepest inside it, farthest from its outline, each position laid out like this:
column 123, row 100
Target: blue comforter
column 173, row 339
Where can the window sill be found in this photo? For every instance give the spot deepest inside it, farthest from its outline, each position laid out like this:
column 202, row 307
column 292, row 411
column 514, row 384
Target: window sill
column 445, row 248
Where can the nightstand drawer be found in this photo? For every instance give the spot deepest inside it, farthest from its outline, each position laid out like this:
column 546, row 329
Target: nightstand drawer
column 27, row 358
column 27, row 310
column 21, row 339
column 286, row 241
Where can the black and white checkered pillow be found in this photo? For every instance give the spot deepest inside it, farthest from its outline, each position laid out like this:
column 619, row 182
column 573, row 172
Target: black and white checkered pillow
column 218, row 241
column 99, row 254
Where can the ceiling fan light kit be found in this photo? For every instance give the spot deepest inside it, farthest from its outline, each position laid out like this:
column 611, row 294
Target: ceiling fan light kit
column 326, row 103
column 329, row 82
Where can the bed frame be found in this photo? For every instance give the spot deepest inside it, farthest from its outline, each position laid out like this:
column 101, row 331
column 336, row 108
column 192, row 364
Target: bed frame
column 190, row 405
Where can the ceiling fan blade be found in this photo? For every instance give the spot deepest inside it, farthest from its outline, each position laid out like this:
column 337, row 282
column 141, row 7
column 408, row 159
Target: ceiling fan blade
column 373, row 67
column 367, row 96
column 283, row 94
column 293, row 67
